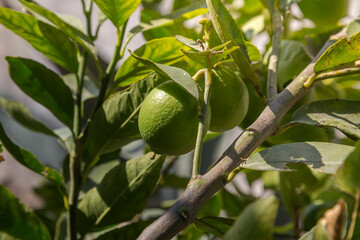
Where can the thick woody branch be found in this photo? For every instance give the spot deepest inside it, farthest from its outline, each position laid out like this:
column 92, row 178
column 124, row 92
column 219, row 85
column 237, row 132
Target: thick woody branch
column 200, row 189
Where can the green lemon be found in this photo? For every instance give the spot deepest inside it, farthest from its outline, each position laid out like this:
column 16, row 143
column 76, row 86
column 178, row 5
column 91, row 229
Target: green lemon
column 168, row 120
column 229, row 100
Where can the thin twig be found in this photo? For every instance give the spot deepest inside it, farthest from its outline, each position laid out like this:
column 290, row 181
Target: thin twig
column 275, row 55
column 202, row 125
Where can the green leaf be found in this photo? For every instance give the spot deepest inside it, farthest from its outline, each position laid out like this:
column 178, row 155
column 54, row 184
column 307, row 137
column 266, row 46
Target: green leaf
column 347, row 175
column 215, row 225
column 352, row 28
column 253, row 52
column 324, row 12
column 211, row 208
column 337, row 113
column 227, row 30
column 256, row 221
column 22, row 115
column 131, row 231
column 28, row 160
column 132, row 70
column 321, row 156
column 209, row 58
column 121, row 194
column 189, row 42
column 181, row 77
column 342, row 52
column 74, row 33
column 118, row 11
column 44, row 86
column 89, row 91
column 115, row 123
column 254, row 26
column 48, row 40
column 174, row 19
column 293, row 59
column 316, row 233
column 18, row 220
column 232, row 204
column 174, row 181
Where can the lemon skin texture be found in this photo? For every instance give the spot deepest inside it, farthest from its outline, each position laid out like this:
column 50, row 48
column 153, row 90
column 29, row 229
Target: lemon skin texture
column 168, row 120
column 229, row 100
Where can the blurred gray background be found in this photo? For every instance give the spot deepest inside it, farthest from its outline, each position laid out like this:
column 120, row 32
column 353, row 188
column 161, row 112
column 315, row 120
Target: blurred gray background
column 20, row 180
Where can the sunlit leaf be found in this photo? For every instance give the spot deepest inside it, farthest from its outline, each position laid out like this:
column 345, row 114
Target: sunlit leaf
column 178, row 75
column 45, row 38
column 77, row 35
column 227, row 30
column 321, row 156
column 132, row 70
column 342, row 52
column 341, row 114
column 118, row 11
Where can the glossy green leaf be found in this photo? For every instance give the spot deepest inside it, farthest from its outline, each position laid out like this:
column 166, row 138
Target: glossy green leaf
column 214, row 225
column 353, row 27
column 341, row 114
column 321, row 156
column 27, row 159
column 209, row 58
column 44, row 86
column 74, row 33
column 256, row 222
column 342, row 52
column 348, row 174
column 118, row 11
column 253, row 52
column 227, row 30
column 45, row 38
column 18, row 220
column 189, row 42
column 115, row 123
column 121, row 194
column 173, row 19
column 132, row 70
column 22, row 115
column 181, row 77
column 131, row 231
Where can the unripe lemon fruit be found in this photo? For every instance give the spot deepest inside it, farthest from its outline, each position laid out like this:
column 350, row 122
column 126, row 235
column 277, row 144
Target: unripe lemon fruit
column 168, row 120
column 229, row 100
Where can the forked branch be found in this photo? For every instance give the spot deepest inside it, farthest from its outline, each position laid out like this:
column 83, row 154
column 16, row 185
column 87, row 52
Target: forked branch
column 183, row 212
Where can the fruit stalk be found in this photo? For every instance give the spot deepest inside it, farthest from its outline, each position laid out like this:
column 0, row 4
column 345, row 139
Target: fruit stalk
column 202, row 128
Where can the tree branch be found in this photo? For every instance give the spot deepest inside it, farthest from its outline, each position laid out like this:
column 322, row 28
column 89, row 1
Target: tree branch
column 199, row 190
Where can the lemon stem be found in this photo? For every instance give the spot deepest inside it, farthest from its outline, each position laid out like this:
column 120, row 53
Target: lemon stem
column 202, row 128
